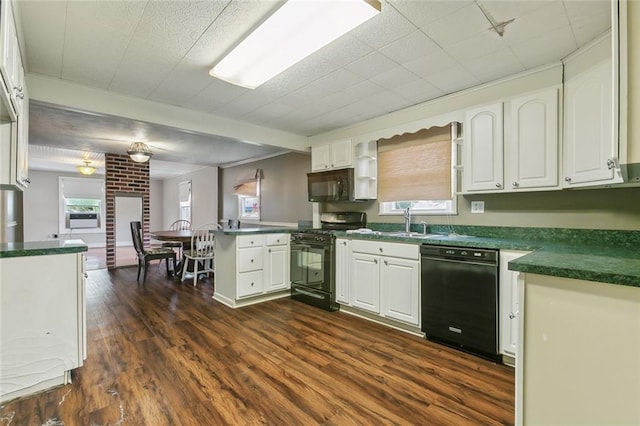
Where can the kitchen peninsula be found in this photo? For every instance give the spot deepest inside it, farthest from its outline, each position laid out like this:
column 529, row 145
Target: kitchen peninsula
column 42, row 315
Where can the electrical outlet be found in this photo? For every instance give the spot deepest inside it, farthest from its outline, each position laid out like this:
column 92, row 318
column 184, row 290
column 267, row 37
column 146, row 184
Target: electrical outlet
column 477, row 207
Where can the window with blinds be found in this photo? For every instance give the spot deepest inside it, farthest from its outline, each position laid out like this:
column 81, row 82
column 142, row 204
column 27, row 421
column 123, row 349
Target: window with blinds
column 184, row 200
column 81, row 205
column 416, row 170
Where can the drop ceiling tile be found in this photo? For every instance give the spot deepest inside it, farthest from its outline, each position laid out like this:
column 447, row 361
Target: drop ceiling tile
column 345, row 50
column 424, row 13
column 410, row 47
column 505, row 10
column 182, row 83
column 363, row 89
column 331, row 83
column 432, row 64
column 43, row 25
column 540, row 21
column 138, row 74
column 387, row 100
column 387, row 27
column 371, row 65
column 215, row 96
column 394, row 78
column 494, row 66
column 588, row 19
column 419, row 91
column 461, row 25
column 301, row 74
column 550, row 47
column 482, row 44
column 453, row 79
column 269, row 113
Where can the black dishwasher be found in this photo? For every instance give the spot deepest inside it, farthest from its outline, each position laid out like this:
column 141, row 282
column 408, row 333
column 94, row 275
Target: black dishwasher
column 460, row 297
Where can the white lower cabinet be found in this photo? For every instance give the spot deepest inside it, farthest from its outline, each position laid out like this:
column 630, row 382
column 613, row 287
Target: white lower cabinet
column 42, row 322
column 509, row 304
column 262, row 264
column 385, row 279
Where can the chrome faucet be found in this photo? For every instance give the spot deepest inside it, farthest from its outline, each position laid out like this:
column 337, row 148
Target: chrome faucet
column 424, row 227
column 407, row 219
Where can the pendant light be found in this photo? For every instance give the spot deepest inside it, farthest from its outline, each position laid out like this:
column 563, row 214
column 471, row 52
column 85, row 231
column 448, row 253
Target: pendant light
column 139, row 152
column 87, row 170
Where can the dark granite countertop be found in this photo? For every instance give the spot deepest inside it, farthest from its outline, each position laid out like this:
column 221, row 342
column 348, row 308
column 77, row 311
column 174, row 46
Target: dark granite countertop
column 41, row 248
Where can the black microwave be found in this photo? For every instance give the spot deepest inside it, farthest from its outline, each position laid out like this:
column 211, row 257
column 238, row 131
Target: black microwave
column 333, row 185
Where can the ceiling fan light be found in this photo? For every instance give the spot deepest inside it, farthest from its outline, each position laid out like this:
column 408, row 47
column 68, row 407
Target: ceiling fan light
column 293, row 32
column 139, row 152
column 87, row 170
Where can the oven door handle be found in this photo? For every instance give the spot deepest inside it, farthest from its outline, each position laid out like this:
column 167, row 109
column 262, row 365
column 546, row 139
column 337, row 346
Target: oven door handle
column 307, row 246
column 308, row 293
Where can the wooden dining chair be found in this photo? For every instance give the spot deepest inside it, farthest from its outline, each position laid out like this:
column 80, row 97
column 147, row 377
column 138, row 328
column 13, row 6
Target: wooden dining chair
column 201, row 252
column 178, row 225
column 147, row 255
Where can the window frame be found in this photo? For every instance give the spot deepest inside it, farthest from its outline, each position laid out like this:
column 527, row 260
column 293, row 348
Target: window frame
column 62, row 207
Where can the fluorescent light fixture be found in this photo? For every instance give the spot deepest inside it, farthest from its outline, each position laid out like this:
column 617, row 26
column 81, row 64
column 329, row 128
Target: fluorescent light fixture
column 293, row 32
column 139, row 152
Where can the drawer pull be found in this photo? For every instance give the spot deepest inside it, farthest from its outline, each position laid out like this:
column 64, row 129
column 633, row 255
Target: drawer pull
column 251, row 284
column 251, row 260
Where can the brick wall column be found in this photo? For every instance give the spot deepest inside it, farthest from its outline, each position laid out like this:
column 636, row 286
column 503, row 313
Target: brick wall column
column 124, row 177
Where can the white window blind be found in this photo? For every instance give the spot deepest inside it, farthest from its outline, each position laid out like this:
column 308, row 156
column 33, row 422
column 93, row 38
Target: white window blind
column 72, row 187
column 184, row 191
column 415, row 166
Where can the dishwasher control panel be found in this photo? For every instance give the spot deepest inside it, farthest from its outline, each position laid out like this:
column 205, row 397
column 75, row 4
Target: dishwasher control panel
column 459, row 253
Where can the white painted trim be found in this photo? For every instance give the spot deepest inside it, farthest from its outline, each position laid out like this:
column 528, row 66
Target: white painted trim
column 252, row 160
column 60, row 92
column 250, row 301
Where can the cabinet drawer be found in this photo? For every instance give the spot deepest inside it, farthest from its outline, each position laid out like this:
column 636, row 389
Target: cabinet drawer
column 276, row 239
column 249, row 283
column 405, row 251
column 244, row 241
column 250, row 259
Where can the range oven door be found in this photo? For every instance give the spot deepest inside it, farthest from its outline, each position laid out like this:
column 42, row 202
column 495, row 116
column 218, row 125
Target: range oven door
column 312, row 274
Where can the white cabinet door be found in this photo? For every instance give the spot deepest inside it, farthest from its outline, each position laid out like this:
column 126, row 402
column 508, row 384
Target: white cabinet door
column 341, row 154
column 509, row 303
column 366, row 282
column 400, row 287
column 343, row 276
column 276, row 268
column 531, row 150
column 331, row 156
column 482, row 154
column 320, row 157
column 589, row 145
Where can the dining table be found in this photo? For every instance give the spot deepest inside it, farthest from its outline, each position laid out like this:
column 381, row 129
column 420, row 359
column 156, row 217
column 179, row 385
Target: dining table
column 183, row 236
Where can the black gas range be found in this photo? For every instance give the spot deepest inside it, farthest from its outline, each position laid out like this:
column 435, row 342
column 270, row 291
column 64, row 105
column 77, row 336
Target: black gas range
column 313, row 259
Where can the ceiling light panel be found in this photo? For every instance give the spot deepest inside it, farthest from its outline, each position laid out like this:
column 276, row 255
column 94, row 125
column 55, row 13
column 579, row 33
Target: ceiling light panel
column 293, row 32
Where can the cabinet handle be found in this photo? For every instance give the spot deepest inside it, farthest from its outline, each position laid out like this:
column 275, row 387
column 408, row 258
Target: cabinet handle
column 375, row 261
column 20, row 95
column 386, row 263
column 515, row 184
column 251, row 260
column 344, row 243
column 332, row 165
column 86, row 275
column 567, row 179
column 27, row 180
column 612, row 163
column 269, row 250
column 18, row 88
column 380, row 249
column 498, row 185
column 513, row 315
column 251, row 284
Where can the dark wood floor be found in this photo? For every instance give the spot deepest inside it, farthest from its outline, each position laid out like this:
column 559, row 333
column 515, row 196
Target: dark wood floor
column 167, row 354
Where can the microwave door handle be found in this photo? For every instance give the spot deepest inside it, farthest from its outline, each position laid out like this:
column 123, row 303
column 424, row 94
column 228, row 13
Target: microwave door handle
column 340, row 189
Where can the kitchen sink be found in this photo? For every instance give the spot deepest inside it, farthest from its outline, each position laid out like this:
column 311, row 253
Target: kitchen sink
column 411, row 235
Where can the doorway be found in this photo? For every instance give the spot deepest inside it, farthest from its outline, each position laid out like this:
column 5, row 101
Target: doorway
column 128, row 209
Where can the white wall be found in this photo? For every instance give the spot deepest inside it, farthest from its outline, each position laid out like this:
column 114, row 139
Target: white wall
column 204, row 197
column 156, row 213
column 41, row 210
column 128, row 209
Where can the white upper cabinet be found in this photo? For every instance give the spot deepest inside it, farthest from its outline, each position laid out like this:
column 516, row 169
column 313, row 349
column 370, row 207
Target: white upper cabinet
column 335, row 155
column 482, row 154
column 590, row 146
column 531, row 141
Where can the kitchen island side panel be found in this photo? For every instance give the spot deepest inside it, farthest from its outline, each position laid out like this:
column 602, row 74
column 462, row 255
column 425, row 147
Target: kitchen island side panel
column 41, row 333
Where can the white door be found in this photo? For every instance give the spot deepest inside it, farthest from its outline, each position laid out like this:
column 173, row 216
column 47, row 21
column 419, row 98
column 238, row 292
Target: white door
column 588, row 138
column 343, row 278
column 531, row 151
column 365, row 282
column 276, row 268
column 482, row 154
column 400, row 287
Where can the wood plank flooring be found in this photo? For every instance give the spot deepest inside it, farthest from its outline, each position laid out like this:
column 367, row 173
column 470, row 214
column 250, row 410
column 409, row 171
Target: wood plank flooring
column 167, row 354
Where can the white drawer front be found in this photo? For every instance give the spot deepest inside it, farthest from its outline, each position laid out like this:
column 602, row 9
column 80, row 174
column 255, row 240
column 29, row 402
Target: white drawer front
column 249, row 283
column 405, row 251
column 245, row 241
column 276, row 239
column 250, row 259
